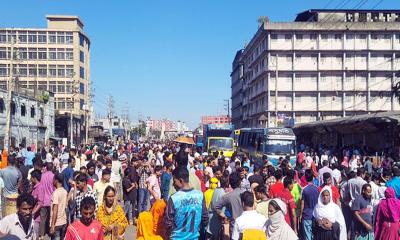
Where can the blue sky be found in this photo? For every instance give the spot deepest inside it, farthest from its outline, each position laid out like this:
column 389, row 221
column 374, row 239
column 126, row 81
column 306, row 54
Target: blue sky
column 166, row 59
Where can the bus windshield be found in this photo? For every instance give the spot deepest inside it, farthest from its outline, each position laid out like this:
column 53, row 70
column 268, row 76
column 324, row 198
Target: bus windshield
column 281, row 147
column 221, row 144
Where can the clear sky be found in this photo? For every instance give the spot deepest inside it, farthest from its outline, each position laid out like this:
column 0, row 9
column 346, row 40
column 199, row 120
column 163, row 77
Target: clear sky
column 166, row 59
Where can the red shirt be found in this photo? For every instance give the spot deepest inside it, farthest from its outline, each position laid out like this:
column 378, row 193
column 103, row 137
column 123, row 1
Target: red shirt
column 275, row 189
column 287, row 198
column 79, row 231
column 335, row 193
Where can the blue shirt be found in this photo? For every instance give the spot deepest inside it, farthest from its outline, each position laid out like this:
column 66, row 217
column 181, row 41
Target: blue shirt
column 29, row 158
column 165, row 181
column 68, row 174
column 186, row 212
column 310, row 196
column 395, row 184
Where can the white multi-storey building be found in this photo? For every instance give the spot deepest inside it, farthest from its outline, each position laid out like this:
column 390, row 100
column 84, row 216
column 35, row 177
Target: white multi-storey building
column 324, row 65
column 55, row 59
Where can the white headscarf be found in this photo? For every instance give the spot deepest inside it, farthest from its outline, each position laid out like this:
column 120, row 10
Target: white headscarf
column 330, row 211
column 276, row 225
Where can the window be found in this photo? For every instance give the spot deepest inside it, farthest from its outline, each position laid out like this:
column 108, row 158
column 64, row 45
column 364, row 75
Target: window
column 61, row 87
column 274, row 36
column 60, row 70
column 347, row 99
column 13, row 108
column 299, row 37
column 42, row 53
column 69, row 38
column 52, row 87
column 33, row 112
column 81, row 56
column 42, row 85
column 3, row 37
column 23, row 110
column 81, row 72
column 322, row 99
column 81, row 40
column 1, row 105
column 22, row 37
column 298, row 98
column 374, row 36
column 324, row 36
column 69, row 54
column 42, row 70
column 82, row 88
column 81, row 104
column 322, row 79
column 69, row 71
column 22, row 53
column 338, row 36
column 42, row 37
column 52, row 37
column 288, row 37
column 60, row 37
column 32, row 37
column 52, row 54
column 313, row 36
column 32, row 53
column 3, row 53
column 3, row 70
column 60, row 53
column 22, row 70
column 32, row 70
column 52, row 71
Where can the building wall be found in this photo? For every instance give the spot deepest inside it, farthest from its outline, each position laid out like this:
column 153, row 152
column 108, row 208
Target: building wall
column 221, row 119
column 32, row 122
column 325, row 70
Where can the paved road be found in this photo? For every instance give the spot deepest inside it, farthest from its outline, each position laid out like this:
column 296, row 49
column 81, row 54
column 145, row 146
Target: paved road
column 130, row 233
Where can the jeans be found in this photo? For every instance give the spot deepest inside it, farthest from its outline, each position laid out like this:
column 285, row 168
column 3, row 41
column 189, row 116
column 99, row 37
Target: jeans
column 60, row 232
column 306, row 227
column 128, row 210
column 44, row 221
column 144, row 197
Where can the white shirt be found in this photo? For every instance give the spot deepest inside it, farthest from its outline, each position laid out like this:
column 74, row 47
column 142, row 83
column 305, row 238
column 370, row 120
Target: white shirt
column 336, row 175
column 11, row 225
column 248, row 220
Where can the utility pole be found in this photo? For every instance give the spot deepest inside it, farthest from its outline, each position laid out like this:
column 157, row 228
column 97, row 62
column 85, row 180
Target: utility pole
column 276, row 91
column 10, row 87
column 110, row 106
column 71, row 120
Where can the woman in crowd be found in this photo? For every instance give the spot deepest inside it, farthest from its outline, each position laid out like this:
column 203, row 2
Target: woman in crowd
column 276, row 226
column 329, row 221
column 387, row 226
column 111, row 215
column 145, row 227
column 158, row 211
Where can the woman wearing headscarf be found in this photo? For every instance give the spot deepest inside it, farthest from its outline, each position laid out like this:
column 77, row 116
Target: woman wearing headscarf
column 209, row 193
column 158, row 211
column 111, row 215
column 329, row 221
column 276, row 226
column 387, row 226
column 145, row 227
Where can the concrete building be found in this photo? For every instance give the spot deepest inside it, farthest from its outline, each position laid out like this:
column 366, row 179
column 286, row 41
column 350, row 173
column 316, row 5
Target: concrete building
column 220, row 119
column 326, row 64
column 55, row 59
column 166, row 125
column 32, row 117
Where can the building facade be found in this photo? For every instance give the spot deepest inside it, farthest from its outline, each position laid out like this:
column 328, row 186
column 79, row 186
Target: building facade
column 55, row 59
column 236, row 89
column 219, row 119
column 166, row 125
column 326, row 64
column 32, row 117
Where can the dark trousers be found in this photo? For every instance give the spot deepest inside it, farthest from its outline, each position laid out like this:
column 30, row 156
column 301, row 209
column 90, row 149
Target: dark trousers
column 44, row 221
column 60, row 232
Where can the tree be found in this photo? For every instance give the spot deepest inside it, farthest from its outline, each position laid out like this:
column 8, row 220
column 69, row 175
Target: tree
column 140, row 129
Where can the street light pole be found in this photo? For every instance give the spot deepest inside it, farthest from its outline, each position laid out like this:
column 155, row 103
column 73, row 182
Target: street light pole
column 10, row 87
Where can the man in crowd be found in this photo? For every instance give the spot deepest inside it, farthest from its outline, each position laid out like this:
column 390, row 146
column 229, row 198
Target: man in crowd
column 363, row 212
column 101, row 185
column 186, row 214
column 309, row 198
column 68, row 172
column 58, row 217
column 83, row 191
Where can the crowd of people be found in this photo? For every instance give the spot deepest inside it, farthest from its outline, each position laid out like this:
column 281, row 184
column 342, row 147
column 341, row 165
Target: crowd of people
column 175, row 191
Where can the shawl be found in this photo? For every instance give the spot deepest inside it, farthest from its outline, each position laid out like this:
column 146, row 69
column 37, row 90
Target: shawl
column 145, row 227
column 158, row 211
column 276, row 226
column 330, row 211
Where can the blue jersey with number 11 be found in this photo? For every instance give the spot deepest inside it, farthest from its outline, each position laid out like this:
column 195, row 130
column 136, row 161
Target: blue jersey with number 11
column 187, row 207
